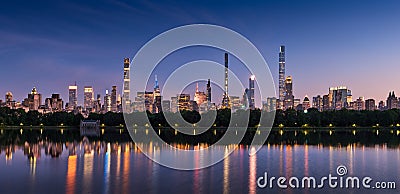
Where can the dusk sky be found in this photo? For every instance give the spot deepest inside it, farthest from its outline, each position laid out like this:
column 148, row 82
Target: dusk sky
column 51, row 44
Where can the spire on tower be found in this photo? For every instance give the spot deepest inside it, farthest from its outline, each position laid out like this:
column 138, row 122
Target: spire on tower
column 156, row 82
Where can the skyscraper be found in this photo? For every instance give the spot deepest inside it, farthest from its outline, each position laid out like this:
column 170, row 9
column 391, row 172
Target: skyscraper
column 339, row 97
column 199, row 97
column 288, row 102
column 54, row 104
column 251, row 92
column 97, row 105
column 72, row 97
column 166, row 106
column 325, row 103
column 139, row 103
column 281, row 77
column 184, row 102
column 88, row 98
column 209, row 91
column 174, row 104
column 114, row 99
column 270, row 104
column 245, row 98
column 157, row 97
column 225, row 99
column 149, row 100
column 126, row 92
column 107, row 102
column 318, row 103
column 34, row 100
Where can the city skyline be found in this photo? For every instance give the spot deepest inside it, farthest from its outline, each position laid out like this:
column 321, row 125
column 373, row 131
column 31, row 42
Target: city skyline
column 64, row 42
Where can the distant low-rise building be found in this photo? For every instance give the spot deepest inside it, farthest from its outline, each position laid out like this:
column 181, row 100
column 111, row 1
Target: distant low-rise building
column 370, row 105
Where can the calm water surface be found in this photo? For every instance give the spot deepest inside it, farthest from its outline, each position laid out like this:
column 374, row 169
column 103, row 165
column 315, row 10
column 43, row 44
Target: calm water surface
column 101, row 167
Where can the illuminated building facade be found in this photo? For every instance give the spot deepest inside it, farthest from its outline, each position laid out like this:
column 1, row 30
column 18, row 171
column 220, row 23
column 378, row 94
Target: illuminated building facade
column 88, row 98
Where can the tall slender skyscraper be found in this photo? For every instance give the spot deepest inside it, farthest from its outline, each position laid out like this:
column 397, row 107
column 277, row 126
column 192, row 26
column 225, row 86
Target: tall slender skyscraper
column 126, row 92
column 209, row 91
column 281, row 77
column 114, row 99
column 157, row 107
column 251, row 92
column 225, row 99
column 72, row 97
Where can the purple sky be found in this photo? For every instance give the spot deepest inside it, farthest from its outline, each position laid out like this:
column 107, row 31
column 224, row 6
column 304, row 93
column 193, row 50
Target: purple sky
column 51, row 44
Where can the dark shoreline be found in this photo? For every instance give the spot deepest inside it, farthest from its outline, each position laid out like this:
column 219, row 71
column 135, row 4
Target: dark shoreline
column 285, row 136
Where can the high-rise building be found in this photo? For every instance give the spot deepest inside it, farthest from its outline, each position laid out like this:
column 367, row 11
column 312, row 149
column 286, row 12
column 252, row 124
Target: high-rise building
column 306, row 103
column 139, row 103
column 370, row 105
column 88, row 99
column 184, row 102
column 199, row 97
column 245, row 99
column 225, row 99
column 270, row 104
column 281, row 77
column 325, row 103
column 288, row 102
column 9, row 97
column 318, row 103
column 149, row 101
column 157, row 107
column 72, row 97
column 54, row 104
column 9, row 101
column 114, row 106
column 235, row 103
column 107, row 102
column 193, row 106
column 391, row 101
column 174, row 104
column 97, row 105
column 157, row 97
column 34, row 100
column 119, row 103
column 166, row 106
column 209, row 90
column 339, row 97
column 251, row 93
column 359, row 104
column 126, row 89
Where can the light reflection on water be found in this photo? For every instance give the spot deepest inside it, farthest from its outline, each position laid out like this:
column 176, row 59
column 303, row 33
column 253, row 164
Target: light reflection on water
column 104, row 167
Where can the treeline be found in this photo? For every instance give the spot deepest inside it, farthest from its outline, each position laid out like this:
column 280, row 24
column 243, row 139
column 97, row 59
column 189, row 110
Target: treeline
column 338, row 118
column 292, row 118
column 16, row 117
column 288, row 118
